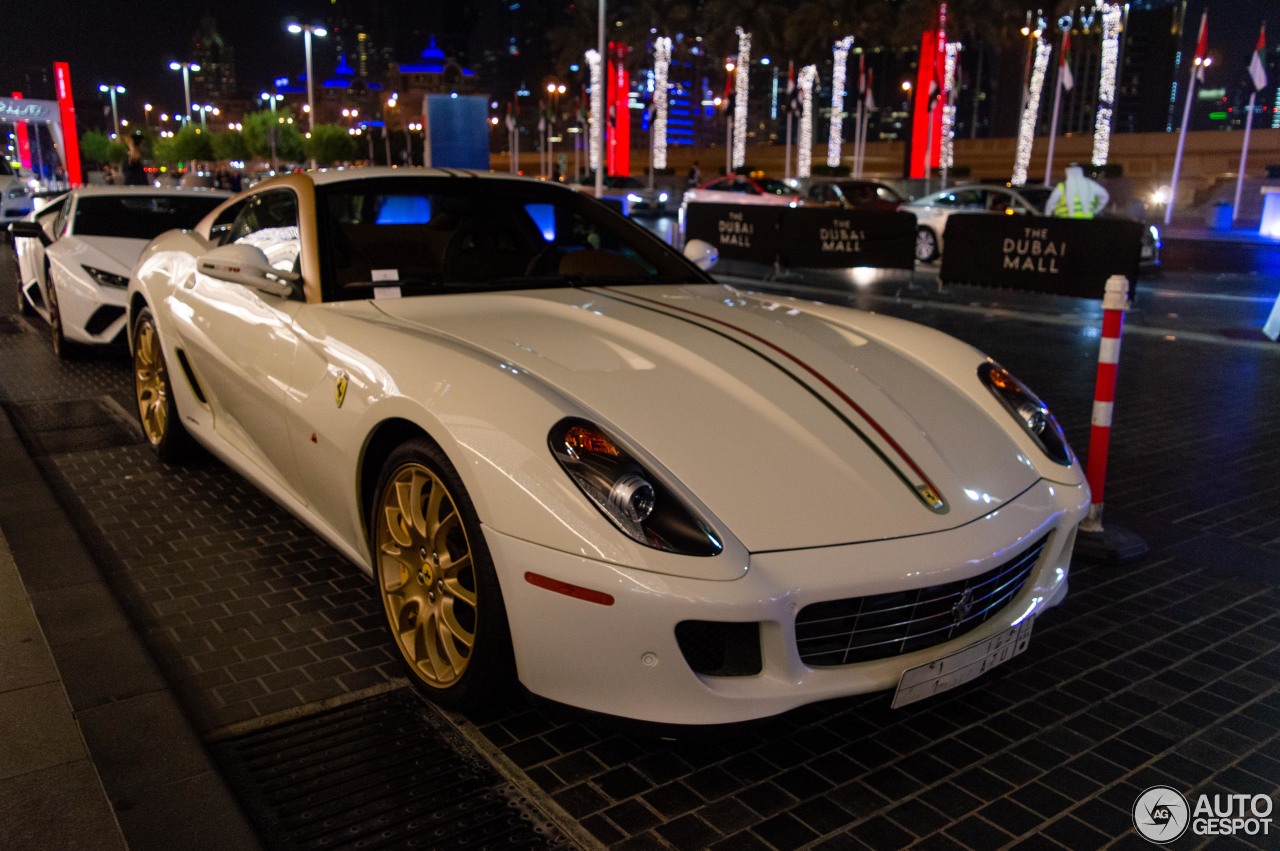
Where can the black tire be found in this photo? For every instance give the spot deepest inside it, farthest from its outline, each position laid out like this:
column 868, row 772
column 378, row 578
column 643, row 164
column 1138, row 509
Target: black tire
column 437, row 583
column 24, row 306
column 61, row 347
column 926, row 244
column 157, row 410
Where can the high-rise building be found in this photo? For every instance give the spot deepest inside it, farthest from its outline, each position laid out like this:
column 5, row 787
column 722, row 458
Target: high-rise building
column 215, row 82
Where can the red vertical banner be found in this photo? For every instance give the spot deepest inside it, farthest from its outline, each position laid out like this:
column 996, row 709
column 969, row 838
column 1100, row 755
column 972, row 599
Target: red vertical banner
column 930, row 79
column 24, row 141
column 617, row 107
column 67, row 111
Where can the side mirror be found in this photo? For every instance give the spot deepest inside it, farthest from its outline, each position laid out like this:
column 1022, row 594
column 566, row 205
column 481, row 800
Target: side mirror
column 703, row 254
column 246, row 264
column 31, row 230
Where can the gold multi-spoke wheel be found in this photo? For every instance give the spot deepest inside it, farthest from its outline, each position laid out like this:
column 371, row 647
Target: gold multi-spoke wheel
column 156, row 409
column 151, row 383
column 441, row 598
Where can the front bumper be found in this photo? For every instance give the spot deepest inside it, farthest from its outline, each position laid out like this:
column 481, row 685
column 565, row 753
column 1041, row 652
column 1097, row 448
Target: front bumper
column 623, row 659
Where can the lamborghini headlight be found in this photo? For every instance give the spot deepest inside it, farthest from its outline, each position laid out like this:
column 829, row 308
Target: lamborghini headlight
column 625, row 492
column 1028, row 410
column 106, row 278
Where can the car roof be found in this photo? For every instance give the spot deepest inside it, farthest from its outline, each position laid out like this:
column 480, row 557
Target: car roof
column 101, row 191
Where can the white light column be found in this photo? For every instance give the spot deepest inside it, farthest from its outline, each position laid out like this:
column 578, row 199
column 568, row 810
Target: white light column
column 835, row 140
column 946, row 154
column 1031, row 113
column 595, row 126
column 661, row 66
column 1111, row 14
column 804, row 156
column 740, row 94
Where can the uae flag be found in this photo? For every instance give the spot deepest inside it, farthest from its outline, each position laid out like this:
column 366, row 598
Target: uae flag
column 1202, row 46
column 1258, row 71
column 793, row 93
column 1065, row 77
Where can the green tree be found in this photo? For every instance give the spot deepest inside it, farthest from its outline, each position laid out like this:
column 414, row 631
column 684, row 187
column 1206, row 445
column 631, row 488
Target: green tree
column 259, row 127
column 99, row 147
column 188, row 145
column 229, row 146
column 329, row 144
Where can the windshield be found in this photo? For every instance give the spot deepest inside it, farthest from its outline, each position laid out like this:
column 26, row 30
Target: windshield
column 139, row 216
column 1037, row 196
column 775, row 187
column 411, row 236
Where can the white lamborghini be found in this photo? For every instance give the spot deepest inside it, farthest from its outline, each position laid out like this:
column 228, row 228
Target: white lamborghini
column 75, row 254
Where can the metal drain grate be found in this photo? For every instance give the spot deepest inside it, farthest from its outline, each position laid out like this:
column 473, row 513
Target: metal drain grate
column 384, row 772
column 75, row 425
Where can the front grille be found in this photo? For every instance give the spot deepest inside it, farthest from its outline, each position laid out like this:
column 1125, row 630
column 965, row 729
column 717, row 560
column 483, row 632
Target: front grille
column 860, row 629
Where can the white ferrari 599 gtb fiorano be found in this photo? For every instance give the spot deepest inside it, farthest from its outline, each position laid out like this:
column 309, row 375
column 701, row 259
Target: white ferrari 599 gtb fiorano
column 569, row 458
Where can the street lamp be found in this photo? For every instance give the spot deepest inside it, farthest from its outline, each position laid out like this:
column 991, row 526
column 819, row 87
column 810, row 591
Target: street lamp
column 186, row 68
column 271, row 99
column 146, row 110
column 554, row 90
column 115, row 115
column 307, row 31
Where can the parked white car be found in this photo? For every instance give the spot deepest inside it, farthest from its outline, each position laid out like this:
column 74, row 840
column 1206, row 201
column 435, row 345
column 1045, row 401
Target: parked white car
column 15, row 195
column 933, row 210
column 569, row 459
column 75, row 254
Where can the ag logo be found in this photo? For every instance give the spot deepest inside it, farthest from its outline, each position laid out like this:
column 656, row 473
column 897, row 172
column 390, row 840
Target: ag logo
column 1161, row 814
column 340, row 389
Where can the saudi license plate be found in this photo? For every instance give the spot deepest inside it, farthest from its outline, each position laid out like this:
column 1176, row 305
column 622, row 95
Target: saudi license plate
column 962, row 666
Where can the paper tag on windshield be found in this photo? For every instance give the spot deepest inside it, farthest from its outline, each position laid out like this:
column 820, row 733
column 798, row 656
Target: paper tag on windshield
column 386, row 292
column 386, row 274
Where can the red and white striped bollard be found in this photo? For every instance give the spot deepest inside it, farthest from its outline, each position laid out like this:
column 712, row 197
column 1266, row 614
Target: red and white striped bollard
column 1114, row 304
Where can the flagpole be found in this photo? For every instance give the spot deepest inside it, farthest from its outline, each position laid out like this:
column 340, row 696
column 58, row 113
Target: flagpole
column 1255, row 67
column 1057, row 101
column 787, row 162
column 1244, row 155
column 1186, row 116
column 857, row 125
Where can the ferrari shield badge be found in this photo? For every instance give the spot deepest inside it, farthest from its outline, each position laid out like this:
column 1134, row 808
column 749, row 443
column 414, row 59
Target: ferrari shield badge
column 340, row 388
column 929, row 495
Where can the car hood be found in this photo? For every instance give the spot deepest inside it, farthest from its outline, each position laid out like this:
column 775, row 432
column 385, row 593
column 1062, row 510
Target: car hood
column 794, row 426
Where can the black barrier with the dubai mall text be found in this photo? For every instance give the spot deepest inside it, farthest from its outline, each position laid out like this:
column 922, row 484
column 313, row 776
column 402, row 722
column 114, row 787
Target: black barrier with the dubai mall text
column 1072, row 257
column 837, row 238
column 740, row 231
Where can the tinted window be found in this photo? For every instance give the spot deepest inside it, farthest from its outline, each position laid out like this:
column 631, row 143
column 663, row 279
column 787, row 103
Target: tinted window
column 459, row 235
column 776, row 187
column 139, row 216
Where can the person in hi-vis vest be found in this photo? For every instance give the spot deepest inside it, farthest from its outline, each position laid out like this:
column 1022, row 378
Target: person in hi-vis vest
column 1076, row 197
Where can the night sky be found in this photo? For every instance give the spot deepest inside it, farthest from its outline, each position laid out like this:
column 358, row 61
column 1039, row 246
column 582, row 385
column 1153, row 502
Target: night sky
column 132, row 44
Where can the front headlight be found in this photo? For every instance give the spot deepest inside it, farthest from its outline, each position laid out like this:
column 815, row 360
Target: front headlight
column 1027, row 409
column 106, row 278
column 626, row 493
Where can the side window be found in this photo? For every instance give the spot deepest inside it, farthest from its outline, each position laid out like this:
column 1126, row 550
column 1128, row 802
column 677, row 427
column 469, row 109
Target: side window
column 220, row 231
column 50, row 216
column 61, row 222
column 269, row 221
